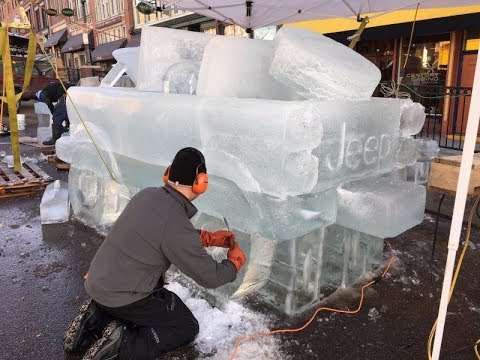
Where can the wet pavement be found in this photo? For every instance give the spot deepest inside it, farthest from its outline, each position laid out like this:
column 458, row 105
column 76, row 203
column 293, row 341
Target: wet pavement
column 41, row 282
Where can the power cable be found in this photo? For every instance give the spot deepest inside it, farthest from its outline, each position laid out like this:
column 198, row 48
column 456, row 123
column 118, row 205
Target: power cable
column 343, row 311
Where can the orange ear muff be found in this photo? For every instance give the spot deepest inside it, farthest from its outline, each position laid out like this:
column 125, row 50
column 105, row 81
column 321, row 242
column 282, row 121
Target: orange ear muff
column 200, row 184
column 166, row 174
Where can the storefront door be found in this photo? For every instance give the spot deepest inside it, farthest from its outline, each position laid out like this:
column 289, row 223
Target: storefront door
column 468, row 62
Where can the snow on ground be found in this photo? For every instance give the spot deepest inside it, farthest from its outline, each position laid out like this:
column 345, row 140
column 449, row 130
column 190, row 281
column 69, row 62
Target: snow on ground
column 220, row 329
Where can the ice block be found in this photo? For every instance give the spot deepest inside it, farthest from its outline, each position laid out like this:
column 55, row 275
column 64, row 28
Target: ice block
column 407, row 152
column 161, row 48
column 55, row 205
column 129, row 56
column 419, row 172
column 90, row 81
column 380, row 207
column 181, row 78
column 348, row 256
column 427, row 149
column 360, row 139
column 97, row 202
column 250, row 79
column 320, row 68
column 413, row 118
column 293, row 275
column 44, row 131
column 266, row 144
column 114, row 75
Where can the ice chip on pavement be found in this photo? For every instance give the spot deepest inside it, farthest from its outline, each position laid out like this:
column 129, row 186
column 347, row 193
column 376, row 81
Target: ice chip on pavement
column 317, row 67
column 381, row 207
column 413, row 118
column 55, row 205
column 160, row 48
column 251, row 79
column 427, row 149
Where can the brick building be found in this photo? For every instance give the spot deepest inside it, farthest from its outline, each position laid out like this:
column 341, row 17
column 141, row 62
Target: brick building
column 109, row 25
column 183, row 20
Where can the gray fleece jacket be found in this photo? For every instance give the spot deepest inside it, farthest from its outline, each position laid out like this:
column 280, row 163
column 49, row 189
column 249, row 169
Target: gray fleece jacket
column 153, row 232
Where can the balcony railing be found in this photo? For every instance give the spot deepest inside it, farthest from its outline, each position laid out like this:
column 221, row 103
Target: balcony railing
column 447, row 112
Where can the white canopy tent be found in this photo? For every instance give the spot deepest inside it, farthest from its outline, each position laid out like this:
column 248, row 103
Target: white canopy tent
column 259, row 13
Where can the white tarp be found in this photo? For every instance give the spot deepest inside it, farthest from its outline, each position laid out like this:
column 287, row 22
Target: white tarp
column 275, row 12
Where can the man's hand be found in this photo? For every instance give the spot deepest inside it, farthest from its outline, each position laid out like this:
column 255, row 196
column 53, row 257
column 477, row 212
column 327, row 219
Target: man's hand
column 220, row 238
column 236, row 256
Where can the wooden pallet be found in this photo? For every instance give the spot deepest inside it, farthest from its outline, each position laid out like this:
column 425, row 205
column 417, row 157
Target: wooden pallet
column 57, row 163
column 29, row 180
column 444, row 174
column 36, row 145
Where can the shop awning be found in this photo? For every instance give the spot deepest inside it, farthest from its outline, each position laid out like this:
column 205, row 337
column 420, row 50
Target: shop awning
column 75, row 43
column 59, row 37
column 422, row 28
column 134, row 41
column 103, row 52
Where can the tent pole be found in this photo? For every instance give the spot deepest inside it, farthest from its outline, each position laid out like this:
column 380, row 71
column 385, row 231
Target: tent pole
column 459, row 206
column 355, row 37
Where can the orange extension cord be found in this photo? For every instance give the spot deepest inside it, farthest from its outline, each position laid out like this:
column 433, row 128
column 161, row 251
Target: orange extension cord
column 349, row 312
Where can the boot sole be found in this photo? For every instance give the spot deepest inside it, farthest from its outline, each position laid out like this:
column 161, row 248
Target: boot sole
column 97, row 350
column 71, row 339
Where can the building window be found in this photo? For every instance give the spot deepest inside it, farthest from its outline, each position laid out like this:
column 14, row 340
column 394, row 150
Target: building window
column 44, row 15
column 38, row 19
column 472, row 39
column 427, row 61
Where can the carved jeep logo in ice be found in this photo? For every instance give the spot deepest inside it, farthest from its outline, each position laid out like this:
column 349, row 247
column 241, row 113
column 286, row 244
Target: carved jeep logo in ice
column 357, row 142
column 357, row 152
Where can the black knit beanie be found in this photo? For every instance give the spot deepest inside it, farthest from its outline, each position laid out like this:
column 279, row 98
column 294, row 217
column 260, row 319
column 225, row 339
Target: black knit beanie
column 185, row 164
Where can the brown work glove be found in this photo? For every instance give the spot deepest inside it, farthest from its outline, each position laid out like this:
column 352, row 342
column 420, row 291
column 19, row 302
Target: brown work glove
column 220, row 238
column 236, row 256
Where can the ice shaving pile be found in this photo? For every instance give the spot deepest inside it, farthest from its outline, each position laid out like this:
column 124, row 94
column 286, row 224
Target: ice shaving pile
column 220, row 329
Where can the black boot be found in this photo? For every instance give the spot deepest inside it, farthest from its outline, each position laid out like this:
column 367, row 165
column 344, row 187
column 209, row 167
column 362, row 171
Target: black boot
column 56, row 133
column 86, row 328
column 108, row 346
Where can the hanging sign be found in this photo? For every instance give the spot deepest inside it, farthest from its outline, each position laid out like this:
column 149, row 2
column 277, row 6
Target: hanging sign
column 68, row 12
column 51, row 12
column 145, row 9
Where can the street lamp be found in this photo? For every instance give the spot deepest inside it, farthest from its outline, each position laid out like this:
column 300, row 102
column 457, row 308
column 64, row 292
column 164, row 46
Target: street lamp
column 86, row 40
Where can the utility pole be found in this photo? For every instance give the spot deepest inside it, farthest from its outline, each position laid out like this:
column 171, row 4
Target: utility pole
column 86, row 40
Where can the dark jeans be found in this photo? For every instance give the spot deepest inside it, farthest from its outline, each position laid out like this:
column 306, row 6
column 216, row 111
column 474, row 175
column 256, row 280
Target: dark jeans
column 48, row 101
column 59, row 114
column 157, row 324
